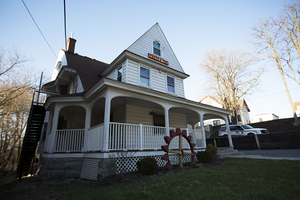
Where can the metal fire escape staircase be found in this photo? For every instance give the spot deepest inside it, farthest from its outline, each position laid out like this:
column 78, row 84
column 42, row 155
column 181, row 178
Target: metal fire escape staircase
column 31, row 139
column 32, row 134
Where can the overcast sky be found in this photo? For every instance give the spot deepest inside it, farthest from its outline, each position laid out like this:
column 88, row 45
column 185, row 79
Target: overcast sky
column 103, row 29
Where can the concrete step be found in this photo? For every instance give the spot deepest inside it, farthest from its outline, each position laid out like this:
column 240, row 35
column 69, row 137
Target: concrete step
column 224, row 152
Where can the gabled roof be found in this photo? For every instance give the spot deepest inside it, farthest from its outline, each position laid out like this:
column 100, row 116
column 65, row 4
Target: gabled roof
column 88, row 69
column 143, row 45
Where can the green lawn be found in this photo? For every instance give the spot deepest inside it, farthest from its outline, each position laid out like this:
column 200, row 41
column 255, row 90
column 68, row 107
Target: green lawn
column 235, row 179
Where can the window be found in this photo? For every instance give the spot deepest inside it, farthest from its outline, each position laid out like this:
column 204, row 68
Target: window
column 144, row 76
column 170, row 84
column 120, row 71
column 239, row 118
column 159, row 120
column 217, row 122
column 156, row 48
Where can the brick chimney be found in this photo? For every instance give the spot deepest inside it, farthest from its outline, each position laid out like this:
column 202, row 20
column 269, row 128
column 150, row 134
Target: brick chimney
column 71, row 45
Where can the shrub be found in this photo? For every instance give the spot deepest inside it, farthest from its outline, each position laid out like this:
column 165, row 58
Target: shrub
column 204, row 156
column 147, row 166
column 212, row 148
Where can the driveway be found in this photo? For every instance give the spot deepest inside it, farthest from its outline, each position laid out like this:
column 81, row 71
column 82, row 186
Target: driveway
column 277, row 154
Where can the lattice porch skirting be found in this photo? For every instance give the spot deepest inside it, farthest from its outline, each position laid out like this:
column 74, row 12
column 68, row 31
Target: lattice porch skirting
column 128, row 164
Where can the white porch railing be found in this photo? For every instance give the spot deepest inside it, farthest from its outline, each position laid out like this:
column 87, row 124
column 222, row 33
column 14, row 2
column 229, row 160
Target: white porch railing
column 95, row 138
column 69, row 140
column 141, row 137
column 121, row 137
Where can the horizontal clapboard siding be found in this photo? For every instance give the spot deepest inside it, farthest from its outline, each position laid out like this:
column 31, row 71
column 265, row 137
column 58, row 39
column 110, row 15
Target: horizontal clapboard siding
column 119, row 114
column 138, row 115
column 159, row 81
column 177, row 120
column 132, row 75
column 112, row 75
column 79, row 88
column 179, row 87
column 145, row 46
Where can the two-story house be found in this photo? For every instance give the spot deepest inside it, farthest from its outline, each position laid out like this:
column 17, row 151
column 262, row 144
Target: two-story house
column 242, row 111
column 104, row 117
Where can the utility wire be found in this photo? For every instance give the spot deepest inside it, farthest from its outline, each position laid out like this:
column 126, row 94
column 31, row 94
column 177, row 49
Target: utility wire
column 274, row 93
column 38, row 28
column 65, row 24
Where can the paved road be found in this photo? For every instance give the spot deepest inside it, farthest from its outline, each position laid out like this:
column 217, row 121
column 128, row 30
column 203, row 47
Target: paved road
column 278, row 154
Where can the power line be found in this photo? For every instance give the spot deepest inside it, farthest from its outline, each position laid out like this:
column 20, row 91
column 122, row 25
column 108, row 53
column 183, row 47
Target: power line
column 274, row 93
column 38, row 28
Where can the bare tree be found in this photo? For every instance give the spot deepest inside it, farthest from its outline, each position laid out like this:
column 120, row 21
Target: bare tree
column 231, row 75
column 11, row 74
column 279, row 40
column 12, row 124
column 16, row 86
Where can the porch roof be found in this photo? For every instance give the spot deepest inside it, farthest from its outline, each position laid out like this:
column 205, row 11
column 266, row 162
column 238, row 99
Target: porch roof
column 135, row 91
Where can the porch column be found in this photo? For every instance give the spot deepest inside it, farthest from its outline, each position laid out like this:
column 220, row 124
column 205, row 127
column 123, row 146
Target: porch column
column 202, row 129
column 167, row 123
column 54, row 128
column 87, row 127
column 106, row 120
column 48, row 132
column 228, row 132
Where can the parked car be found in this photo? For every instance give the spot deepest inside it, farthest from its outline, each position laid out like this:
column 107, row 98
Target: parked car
column 240, row 130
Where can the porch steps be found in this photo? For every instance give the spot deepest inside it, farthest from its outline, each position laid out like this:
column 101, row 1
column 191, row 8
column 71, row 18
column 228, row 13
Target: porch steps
column 31, row 138
column 90, row 169
column 224, row 152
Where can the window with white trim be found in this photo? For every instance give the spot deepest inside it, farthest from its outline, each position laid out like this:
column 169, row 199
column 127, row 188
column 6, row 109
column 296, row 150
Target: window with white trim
column 156, row 48
column 170, row 84
column 144, row 76
column 120, row 72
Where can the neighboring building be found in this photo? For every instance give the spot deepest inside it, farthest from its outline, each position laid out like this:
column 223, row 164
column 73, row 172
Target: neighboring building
column 264, row 117
column 209, row 100
column 242, row 111
column 105, row 117
column 297, row 108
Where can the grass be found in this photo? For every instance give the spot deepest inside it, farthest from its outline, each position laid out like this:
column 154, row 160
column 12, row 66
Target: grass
column 235, row 179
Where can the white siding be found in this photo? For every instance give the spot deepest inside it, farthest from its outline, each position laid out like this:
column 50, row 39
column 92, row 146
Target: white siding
column 144, row 45
column 138, row 115
column 112, row 75
column 159, row 80
column 124, row 75
column 179, row 89
column 79, row 85
column 132, row 74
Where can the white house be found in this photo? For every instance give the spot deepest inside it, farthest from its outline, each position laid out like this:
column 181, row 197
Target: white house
column 105, row 117
column 264, row 117
column 242, row 111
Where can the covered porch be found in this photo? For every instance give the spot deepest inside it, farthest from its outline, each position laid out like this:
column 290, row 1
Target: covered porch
column 119, row 121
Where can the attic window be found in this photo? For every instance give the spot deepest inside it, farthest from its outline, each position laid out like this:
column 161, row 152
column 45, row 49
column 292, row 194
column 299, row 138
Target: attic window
column 156, row 48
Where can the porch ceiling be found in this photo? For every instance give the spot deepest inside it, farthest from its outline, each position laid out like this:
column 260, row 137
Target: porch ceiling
column 210, row 116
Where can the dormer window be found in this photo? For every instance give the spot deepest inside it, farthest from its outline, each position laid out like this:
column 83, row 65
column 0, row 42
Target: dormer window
column 120, row 72
column 156, row 48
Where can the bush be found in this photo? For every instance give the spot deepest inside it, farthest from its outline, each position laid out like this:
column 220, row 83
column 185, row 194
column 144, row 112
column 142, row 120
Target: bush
column 213, row 149
column 147, row 166
column 207, row 155
column 204, row 156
